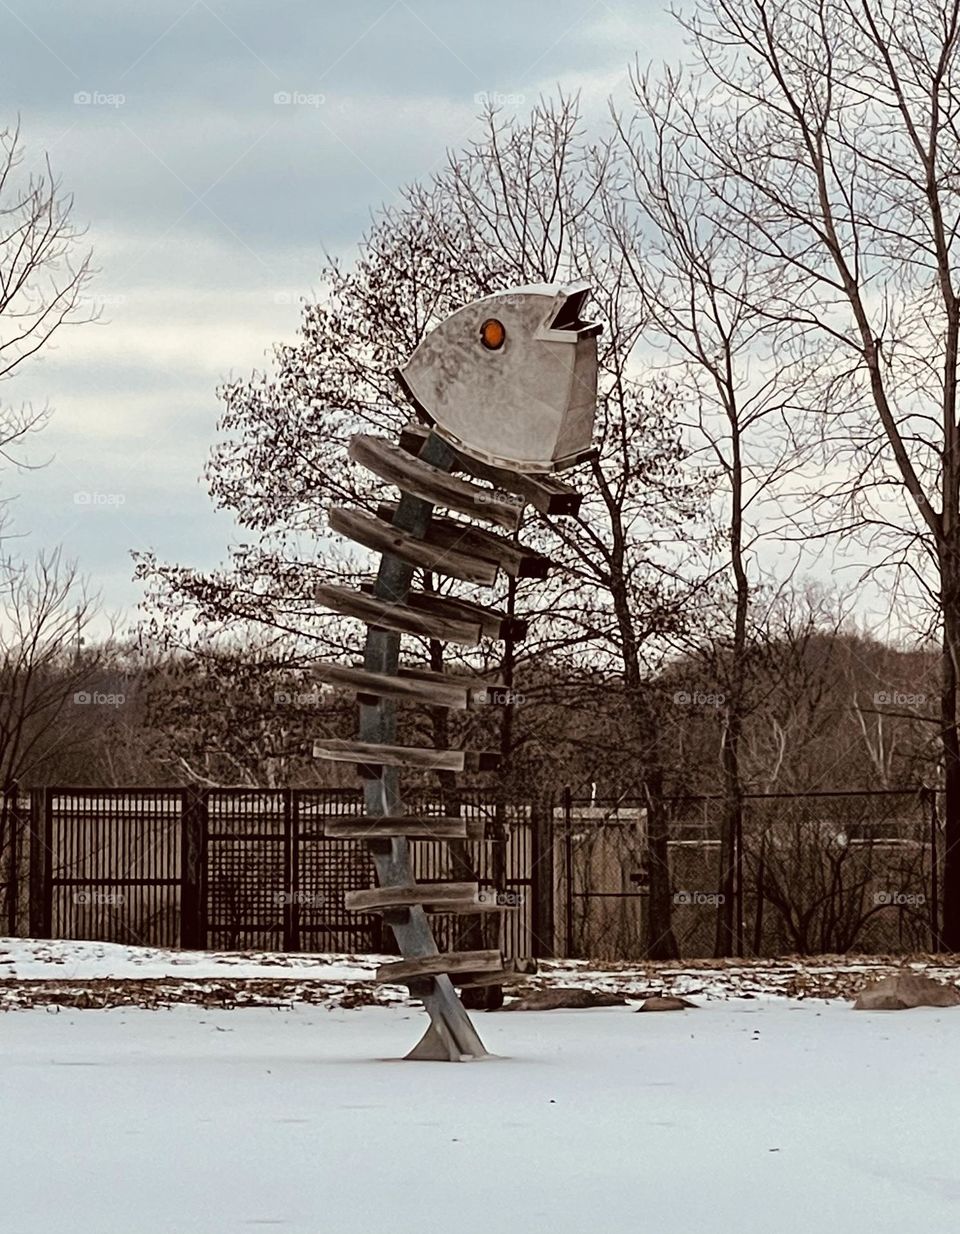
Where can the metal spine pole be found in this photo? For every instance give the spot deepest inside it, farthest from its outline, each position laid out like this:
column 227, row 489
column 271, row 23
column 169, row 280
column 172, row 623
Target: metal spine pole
column 451, row 1034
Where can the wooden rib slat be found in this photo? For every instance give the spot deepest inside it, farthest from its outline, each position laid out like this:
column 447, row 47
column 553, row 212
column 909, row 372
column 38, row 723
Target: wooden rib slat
column 386, row 827
column 512, row 970
column 408, row 473
column 381, row 537
column 448, row 536
column 464, row 908
column 544, row 493
column 374, row 754
column 432, row 965
column 493, row 622
column 455, row 693
column 443, row 623
column 382, row 899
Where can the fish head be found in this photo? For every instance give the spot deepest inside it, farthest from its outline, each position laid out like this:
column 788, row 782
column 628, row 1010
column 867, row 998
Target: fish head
column 511, row 379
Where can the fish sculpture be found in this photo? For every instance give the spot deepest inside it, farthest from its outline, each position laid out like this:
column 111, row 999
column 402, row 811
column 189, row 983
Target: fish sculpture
column 511, row 380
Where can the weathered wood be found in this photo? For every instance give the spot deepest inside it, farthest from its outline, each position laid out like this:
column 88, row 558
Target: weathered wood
column 457, row 693
column 387, row 826
column 377, row 754
column 449, row 536
column 510, row 971
column 429, row 966
column 467, row 908
column 386, row 460
column 494, row 622
column 381, row 537
column 543, row 492
column 432, row 895
column 446, row 623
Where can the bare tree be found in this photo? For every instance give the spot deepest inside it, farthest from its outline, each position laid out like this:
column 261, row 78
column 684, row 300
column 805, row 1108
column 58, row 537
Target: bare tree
column 702, row 291
column 830, row 135
column 43, row 677
column 42, row 276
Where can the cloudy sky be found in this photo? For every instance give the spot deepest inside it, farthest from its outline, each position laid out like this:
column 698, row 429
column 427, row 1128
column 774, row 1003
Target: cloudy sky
column 216, row 149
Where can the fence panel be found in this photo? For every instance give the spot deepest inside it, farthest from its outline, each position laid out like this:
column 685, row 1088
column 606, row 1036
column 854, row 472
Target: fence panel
column 822, row 872
column 111, row 860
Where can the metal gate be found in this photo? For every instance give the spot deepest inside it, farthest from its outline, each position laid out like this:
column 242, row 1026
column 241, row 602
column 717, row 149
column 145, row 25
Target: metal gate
column 110, row 864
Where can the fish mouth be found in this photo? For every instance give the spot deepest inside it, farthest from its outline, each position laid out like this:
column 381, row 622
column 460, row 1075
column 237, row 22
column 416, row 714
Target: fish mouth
column 565, row 321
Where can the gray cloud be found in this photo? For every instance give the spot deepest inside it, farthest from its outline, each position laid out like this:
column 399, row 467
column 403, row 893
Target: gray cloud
column 209, row 205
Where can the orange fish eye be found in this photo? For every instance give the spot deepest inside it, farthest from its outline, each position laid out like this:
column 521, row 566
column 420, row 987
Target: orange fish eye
column 492, row 334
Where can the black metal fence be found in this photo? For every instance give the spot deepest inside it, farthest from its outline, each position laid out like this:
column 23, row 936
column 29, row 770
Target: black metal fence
column 236, row 869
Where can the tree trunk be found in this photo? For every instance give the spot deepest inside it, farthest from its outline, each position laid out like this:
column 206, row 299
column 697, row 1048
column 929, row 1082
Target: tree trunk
column 660, row 942
column 951, row 772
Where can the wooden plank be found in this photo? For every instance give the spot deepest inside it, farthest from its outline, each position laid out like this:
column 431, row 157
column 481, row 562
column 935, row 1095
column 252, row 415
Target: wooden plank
column 383, row 899
column 456, row 693
column 465, row 908
column 511, row 971
column 375, row 534
column 376, row 754
column 545, row 493
column 410, row 474
column 387, row 826
column 446, row 624
column 433, row 965
column 448, row 535
column 494, row 623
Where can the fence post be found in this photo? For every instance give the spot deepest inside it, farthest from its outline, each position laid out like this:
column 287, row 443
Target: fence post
column 935, row 940
column 193, row 868
column 568, row 869
column 660, row 942
column 542, row 876
column 37, row 859
column 41, row 863
column 291, row 873
column 11, row 815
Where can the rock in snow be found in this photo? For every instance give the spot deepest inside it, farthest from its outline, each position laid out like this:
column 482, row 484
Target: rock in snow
column 905, row 990
column 564, row 996
column 665, row 1002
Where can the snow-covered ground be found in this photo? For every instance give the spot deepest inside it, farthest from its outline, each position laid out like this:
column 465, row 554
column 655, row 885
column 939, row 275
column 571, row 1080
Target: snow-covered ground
column 71, row 960
column 65, row 965
column 762, row 1116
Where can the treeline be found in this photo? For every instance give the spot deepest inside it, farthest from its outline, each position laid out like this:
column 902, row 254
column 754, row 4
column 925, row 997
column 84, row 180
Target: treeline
column 828, row 709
